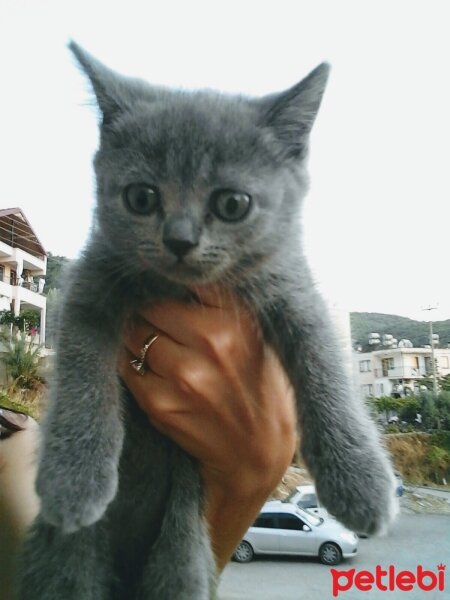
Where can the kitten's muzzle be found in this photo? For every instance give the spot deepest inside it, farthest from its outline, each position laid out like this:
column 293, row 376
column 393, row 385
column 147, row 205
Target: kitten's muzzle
column 180, row 235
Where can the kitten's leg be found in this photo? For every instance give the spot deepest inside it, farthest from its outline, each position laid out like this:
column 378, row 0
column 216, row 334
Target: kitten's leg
column 59, row 566
column 181, row 565
column 339, row 441
column 82, row 432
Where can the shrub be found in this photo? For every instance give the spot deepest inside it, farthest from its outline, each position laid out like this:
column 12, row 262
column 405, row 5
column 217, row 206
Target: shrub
column 22, row 360
column 439, row 461
column 442, row 439
column 392, row 428
column 421, row 457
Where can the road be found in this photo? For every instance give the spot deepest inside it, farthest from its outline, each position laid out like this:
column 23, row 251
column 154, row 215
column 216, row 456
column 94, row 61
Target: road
column 414, row 540
column 439, row 493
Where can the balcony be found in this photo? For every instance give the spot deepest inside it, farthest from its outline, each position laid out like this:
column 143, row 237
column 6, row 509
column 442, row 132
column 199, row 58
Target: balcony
column 15, row 281
column 26, row 293
column 401, row 373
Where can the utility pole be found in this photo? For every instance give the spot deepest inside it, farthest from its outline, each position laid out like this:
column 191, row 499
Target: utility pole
column 430, row 308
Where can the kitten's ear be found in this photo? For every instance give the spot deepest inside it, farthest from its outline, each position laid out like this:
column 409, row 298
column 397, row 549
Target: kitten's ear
column 114, row 93
column 291, row 114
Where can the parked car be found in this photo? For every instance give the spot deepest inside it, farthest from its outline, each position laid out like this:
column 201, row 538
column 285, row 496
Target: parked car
column 304, row 496
column 282, row 528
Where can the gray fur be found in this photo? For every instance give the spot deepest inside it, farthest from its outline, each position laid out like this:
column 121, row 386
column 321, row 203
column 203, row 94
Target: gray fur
column 121, row 512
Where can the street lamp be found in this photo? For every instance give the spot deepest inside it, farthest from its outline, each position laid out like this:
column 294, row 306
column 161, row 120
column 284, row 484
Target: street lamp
column 433, row 362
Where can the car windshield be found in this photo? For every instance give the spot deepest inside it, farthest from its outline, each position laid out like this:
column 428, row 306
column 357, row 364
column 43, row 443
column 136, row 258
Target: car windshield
column 291, row 496
column 302, row 499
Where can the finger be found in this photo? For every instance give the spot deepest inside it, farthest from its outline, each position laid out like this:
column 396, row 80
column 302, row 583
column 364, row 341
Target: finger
column 199, row 326
column 185, row 323
column 165, row 357
column 169, row 410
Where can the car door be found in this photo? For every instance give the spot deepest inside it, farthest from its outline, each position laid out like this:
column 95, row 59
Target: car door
column 264, row 535
column 295, row 536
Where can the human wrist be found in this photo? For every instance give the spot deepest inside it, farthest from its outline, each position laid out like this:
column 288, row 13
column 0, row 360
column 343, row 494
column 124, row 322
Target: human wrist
column 242, row 485
column 231, row 505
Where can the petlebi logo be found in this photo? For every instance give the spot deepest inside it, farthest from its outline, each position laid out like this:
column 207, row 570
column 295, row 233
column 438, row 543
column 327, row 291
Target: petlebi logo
column 388, row 580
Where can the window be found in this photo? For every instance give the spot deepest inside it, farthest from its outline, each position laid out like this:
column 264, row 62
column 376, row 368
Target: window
column 443, row 360
column 290, row 522
column 379, row 389
column 387, row 364
column 367, row 390
column 364, row 366
column 2, row 272
column 307, row 501
column 267, row 521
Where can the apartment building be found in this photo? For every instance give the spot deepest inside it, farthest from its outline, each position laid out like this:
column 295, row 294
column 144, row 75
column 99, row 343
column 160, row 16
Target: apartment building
column 397, row 370
column 23, row 264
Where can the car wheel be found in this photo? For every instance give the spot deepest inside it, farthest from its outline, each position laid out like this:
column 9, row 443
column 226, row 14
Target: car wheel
column 330, row 554
column 243, row 553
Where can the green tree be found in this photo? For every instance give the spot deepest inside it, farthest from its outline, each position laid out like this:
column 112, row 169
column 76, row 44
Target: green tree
column 386, row 405
column 7, row 317
column 408, row 408
column 445, row 383
column 429, row 411
column 28, row 319
column 25, row 321
column 53, row 305
column 443, row 408
column 55, row 269
column 428, row 382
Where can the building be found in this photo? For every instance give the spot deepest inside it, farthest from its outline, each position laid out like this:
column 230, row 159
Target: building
column 397, row 370
column 23, row 264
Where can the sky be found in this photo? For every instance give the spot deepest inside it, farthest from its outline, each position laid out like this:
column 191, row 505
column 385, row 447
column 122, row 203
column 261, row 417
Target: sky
column 377, row 217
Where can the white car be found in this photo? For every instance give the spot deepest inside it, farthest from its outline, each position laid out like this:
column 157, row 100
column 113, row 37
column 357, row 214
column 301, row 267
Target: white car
column 304, row 496
column 282, row 528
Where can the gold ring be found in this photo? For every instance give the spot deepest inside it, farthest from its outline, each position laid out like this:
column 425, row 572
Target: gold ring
column 138, row 364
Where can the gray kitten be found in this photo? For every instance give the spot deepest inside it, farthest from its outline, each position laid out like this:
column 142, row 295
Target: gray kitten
column 192, row 187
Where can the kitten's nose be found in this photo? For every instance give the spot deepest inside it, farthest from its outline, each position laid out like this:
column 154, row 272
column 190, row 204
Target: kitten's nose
column 179, row 247
column 180, row 235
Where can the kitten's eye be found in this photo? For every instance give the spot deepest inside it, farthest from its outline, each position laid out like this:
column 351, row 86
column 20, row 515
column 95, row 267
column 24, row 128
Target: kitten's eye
column 141, row 198
column 230, row 206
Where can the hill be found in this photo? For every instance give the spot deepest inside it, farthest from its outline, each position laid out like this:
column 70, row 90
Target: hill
column 362, row 324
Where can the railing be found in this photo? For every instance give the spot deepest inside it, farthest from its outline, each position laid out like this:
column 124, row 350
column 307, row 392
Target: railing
column 17, row 281
column 30, row 285
column 401, row 372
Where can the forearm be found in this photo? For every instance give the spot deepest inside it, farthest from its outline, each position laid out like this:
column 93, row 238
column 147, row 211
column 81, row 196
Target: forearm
column 229, row 511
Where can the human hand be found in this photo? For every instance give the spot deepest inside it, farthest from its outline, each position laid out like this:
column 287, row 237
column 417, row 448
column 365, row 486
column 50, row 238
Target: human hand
column 216, row 389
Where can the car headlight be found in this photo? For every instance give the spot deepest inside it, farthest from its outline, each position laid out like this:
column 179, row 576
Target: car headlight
column 349, row 536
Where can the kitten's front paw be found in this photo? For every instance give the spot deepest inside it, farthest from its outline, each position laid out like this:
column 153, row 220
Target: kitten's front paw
column 361, row 495
column 71, row 500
